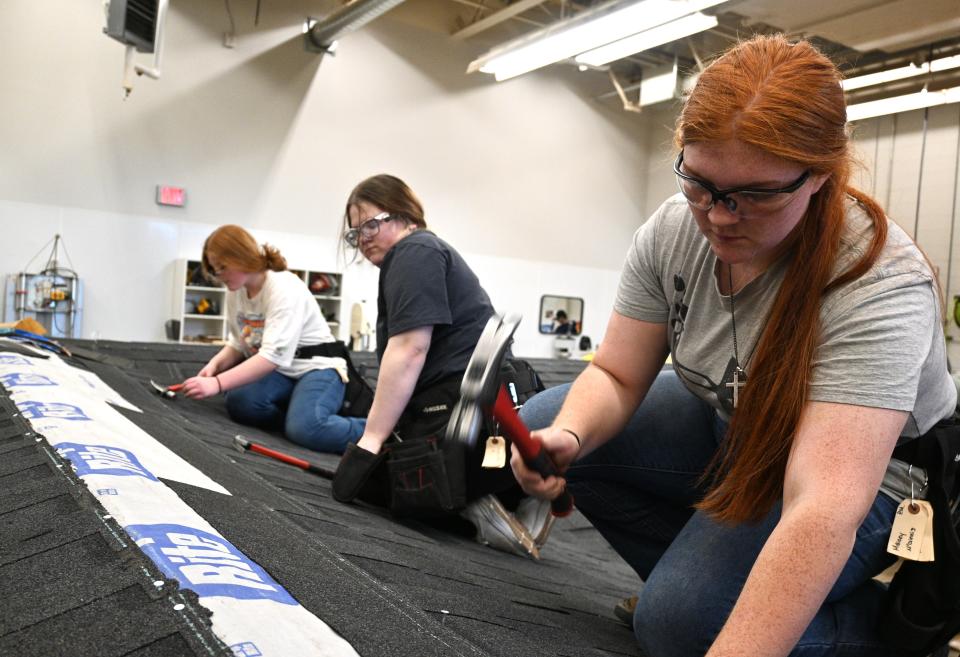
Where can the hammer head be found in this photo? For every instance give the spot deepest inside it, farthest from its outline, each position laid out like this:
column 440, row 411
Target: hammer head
column 164, row 391
column 481, row 381
column 240, row 443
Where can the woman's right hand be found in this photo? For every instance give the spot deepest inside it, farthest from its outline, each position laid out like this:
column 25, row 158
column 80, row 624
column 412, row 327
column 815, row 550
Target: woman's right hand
column 563, row 449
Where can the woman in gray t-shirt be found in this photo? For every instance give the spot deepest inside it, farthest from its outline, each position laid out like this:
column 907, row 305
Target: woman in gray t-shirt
column 744, row 485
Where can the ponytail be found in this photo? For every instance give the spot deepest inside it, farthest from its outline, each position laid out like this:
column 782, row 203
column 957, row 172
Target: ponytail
column 272, row 259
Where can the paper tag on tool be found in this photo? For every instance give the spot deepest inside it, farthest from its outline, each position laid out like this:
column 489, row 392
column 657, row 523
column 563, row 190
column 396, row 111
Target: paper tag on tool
column 495, row 455
column 926, row 548
column 912, row 534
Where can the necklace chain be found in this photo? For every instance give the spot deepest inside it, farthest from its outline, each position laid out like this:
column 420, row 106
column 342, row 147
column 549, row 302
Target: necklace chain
column 733, row 316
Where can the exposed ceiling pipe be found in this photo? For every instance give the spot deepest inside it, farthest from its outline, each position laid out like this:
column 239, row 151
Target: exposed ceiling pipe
column 321, row 35
column 521, row 19
column 496, row 18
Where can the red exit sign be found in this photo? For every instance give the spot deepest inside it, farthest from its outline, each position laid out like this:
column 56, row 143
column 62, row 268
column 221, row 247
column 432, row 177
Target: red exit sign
column 175, row 196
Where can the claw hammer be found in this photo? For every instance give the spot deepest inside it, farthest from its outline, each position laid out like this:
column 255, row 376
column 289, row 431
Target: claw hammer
column 482, row 394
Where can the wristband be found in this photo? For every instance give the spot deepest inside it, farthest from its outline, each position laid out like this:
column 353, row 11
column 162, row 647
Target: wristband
column 220, row 390
column 574, row 434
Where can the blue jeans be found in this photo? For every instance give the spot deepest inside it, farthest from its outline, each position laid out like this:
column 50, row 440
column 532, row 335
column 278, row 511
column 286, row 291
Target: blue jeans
column 638, row 490
column 305, row 408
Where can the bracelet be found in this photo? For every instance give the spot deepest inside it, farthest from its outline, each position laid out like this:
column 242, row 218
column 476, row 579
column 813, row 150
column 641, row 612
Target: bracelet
column 574, row 434
column 220, row 387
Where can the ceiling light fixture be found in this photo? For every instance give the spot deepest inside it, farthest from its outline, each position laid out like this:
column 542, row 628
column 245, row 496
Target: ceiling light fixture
column 590, row 30
column 902, row 72
column 904, row 103
column 655, row 36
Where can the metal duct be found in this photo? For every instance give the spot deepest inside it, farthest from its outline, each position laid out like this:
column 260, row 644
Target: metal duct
column 322, row 34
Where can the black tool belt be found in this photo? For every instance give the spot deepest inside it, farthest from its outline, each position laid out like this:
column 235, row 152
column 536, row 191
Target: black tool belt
column 922, row 610
column 427, row 472
column 334, row 349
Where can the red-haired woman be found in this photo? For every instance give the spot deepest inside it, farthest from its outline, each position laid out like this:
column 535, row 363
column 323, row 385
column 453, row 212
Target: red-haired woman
column 753, row 487
column 274, row 368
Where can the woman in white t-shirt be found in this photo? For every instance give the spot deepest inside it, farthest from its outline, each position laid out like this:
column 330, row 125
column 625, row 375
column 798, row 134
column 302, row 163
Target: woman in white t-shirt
column 270, row 369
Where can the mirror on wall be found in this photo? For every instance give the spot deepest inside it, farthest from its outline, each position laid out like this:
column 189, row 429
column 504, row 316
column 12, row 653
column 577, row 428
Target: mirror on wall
column 561, row 315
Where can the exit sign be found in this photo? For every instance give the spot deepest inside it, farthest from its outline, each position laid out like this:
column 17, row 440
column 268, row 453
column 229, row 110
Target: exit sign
column 167, row 195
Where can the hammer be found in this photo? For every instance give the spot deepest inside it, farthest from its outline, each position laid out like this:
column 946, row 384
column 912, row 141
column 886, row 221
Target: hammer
column 241, row 444
column 481, row 393
column 170, row 392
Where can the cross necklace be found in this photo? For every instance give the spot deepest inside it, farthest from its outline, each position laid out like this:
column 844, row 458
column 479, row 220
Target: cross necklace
column 739, row 376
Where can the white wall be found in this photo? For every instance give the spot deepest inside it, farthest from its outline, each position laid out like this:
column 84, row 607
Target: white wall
column 916, row 177
column 537, row 185
column 128, row 269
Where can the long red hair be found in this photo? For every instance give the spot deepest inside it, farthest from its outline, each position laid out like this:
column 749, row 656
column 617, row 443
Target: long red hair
column 784, row 98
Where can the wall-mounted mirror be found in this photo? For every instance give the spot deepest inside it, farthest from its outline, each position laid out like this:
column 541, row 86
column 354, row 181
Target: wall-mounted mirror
column 561, row 315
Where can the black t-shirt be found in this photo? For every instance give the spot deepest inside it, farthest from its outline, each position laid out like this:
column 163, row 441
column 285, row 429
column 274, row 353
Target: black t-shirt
column 425, row 282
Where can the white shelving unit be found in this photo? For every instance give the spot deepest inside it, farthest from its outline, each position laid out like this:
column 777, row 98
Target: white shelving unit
column 199, row 304
column 326, row 287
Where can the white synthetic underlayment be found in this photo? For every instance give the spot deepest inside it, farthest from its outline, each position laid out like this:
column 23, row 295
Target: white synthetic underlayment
column 122, row 465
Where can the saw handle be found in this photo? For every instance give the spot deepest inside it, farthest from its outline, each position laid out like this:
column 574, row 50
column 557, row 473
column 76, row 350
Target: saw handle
column 531, row 449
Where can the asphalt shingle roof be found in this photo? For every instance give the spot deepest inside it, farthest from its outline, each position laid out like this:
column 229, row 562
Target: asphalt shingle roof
column 72, row 582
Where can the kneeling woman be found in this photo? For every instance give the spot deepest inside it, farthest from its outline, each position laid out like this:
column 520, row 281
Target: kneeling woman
column 431, row 311
column 269, row 368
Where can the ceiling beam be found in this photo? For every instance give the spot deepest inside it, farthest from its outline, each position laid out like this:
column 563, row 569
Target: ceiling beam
column 495, row 18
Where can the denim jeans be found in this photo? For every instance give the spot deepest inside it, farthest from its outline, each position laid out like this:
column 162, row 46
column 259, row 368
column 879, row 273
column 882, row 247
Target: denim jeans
column 638, row 490
column 305, row 408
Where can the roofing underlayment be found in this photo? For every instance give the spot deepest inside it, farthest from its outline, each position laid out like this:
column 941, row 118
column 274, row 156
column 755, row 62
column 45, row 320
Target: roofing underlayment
column 129, row 525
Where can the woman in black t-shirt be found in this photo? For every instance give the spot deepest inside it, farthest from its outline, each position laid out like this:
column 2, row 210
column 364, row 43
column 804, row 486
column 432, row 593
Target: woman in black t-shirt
column 431, row 311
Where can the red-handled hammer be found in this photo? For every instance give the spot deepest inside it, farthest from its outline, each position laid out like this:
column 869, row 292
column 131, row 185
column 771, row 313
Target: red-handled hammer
column 170, row 392
column 241, row 444
column 481, row 393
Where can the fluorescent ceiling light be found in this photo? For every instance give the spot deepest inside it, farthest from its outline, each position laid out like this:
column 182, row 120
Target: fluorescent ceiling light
column 903, row 103
column 611, row 22
column 902, row 72
column 656, row 36
column 658, row 85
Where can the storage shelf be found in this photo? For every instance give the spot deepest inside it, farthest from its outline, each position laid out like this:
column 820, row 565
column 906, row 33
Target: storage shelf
column 215, row 326
column 44, row 310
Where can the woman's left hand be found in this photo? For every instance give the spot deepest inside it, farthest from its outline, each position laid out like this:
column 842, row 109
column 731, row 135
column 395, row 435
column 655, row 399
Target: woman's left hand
column 201, row 387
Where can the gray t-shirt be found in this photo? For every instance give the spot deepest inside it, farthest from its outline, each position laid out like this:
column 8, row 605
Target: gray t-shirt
column 882, row 340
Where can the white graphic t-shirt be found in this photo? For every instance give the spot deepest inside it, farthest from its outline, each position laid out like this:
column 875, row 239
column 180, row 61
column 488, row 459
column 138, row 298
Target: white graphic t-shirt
column 284, row 315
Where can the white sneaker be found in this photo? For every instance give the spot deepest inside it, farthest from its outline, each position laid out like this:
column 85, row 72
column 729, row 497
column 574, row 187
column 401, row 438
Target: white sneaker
column 535, row 515
column 499, row 528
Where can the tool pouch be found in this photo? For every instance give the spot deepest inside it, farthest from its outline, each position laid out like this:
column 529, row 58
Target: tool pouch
column 426, row 478
column 922, row 610
column 426, row 473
